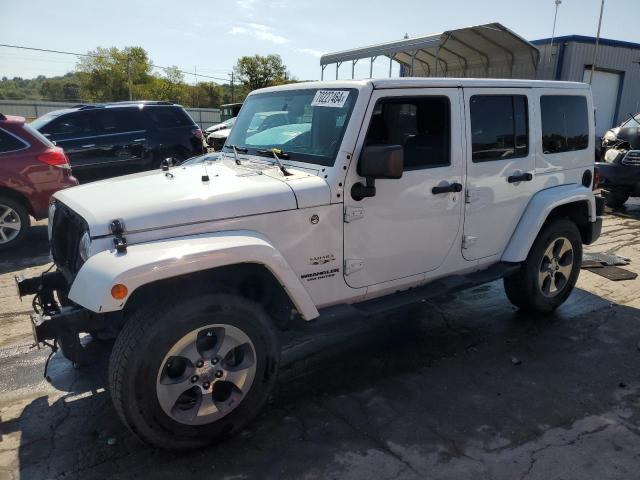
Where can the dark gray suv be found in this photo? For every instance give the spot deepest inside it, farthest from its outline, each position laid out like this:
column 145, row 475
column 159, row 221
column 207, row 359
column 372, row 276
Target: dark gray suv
column 111, row 139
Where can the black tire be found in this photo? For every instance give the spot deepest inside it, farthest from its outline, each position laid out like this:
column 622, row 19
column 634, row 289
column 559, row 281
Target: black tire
column 146, row 338
column 25, row 222
column 615, row 199
column 523, row 288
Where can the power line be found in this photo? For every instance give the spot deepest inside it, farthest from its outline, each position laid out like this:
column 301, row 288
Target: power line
column 98, row 56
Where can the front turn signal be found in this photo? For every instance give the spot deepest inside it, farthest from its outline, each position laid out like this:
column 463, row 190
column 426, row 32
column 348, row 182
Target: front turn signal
column 119, row 291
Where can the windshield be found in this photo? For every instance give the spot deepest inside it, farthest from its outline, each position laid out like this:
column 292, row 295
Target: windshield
column 307, row 125
column 632, row 121
column 40, row 122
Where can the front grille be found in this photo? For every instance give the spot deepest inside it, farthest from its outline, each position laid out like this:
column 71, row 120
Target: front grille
column 68, row 228
column 632, row 158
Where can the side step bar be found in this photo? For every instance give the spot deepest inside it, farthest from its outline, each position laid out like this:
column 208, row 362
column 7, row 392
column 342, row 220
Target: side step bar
column 340, row 323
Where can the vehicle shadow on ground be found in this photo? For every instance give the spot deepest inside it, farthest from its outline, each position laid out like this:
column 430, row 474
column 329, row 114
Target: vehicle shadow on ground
column 438, row 379
column 33, row 252
column 631, row 210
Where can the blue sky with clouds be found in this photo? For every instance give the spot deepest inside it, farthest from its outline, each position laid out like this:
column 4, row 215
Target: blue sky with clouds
column 210, row 35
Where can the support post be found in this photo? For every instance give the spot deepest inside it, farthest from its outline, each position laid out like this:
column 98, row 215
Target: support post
column 595, row 50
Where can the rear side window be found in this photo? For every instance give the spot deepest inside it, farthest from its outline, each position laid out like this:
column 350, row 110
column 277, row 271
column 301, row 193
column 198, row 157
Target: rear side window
column 565, row 123
column 10, row 143
column 169, row 117
column 124, row 120
column 421, row 125
column 499, row 127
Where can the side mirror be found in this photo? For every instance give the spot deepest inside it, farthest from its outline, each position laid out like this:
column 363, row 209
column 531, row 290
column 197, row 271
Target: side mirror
column 381, row 161
column 377, row 161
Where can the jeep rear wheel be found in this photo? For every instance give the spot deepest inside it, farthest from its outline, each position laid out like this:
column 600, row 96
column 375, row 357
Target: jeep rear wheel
column 548, row 275
column 185, row 374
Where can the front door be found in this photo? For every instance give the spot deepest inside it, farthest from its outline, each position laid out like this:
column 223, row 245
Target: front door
column 407, row 228
column 500, row 167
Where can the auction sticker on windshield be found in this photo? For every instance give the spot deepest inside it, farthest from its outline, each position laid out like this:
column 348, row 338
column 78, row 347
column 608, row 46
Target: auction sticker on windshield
column 330, row 98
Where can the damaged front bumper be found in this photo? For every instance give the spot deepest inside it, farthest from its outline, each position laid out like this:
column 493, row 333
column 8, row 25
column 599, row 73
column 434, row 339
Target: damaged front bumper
column 55, row 325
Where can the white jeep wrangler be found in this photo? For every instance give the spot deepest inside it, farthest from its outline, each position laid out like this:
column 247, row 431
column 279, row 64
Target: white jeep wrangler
column 369, row 195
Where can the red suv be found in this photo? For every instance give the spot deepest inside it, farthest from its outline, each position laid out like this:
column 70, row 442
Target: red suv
column 31, row 170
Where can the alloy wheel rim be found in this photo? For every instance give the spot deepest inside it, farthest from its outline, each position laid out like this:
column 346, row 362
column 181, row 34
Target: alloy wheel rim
column 206, row 374
column 555, row 267
column 10, row 224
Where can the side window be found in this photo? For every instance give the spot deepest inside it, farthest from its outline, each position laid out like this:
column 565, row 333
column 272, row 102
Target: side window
column 565, row 123
column 69, row 126
column 110, row 121
column 169, row 117
column 9, row 143
column 421, row 125
column 499, row 127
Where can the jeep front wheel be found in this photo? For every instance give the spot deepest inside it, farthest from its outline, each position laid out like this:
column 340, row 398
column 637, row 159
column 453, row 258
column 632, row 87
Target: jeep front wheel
column 548, row 275
column 197, row 370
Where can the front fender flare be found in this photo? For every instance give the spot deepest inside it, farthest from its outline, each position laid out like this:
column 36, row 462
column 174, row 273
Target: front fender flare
column 537, row 212
column 153, row 261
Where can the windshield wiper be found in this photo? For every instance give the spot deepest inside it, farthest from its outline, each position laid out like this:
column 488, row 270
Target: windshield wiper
column 274, row 152
column 236, row 150
column 634, row 119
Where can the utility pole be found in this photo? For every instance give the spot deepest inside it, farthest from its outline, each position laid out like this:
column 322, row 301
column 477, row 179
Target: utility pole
column 129, row 76
column 595, row 50
column 553, row 34
column 195, row 90
column 232, row 92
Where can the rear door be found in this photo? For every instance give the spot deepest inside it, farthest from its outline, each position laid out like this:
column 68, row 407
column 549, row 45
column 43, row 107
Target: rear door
column 500, row 166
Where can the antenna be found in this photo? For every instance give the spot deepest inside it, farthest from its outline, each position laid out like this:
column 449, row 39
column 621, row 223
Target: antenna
column 553, row 32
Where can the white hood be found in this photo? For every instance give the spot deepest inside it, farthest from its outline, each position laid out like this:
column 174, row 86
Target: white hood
column 156, row 199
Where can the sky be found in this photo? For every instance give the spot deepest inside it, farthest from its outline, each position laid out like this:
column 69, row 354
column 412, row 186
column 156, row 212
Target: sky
column 209, row 36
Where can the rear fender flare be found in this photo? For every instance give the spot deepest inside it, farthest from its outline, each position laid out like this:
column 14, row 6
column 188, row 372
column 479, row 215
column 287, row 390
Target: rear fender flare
column 144, row 263
column 537, row 212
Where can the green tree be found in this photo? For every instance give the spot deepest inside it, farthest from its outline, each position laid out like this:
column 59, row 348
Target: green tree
column 259, row 72
column 106, row 74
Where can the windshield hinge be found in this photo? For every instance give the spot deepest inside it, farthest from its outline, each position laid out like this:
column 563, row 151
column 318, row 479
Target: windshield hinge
column 353, row 213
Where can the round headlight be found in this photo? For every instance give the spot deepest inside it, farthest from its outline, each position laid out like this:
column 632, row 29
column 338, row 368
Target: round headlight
column 52, row 211
column 84, row 248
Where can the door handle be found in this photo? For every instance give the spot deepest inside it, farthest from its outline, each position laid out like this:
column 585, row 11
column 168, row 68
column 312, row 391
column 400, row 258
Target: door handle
column 525, row 177
column 451, row 188
column 91, row 145
column 139, row 140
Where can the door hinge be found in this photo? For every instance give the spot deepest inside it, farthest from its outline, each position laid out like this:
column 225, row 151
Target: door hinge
column 469, row 195
column 353, row 265
column 468, row 240
column 353, row 213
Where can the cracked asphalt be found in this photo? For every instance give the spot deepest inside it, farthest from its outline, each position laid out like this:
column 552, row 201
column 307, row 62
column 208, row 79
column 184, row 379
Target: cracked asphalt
column 466, row 389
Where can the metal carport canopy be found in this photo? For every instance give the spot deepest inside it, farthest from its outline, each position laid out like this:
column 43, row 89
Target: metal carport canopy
column 490, row 50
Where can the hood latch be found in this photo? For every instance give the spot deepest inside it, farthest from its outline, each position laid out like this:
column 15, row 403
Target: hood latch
column 117, row 228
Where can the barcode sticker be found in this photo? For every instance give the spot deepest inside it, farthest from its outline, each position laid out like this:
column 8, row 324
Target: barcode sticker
column 330, row 98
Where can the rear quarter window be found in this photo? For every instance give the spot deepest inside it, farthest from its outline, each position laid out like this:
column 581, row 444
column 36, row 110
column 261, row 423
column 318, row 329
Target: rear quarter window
column 169, row 117
column 10, row 143
column 565, row 123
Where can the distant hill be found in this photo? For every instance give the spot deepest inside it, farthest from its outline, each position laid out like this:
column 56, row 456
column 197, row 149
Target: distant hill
column 62, row 88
